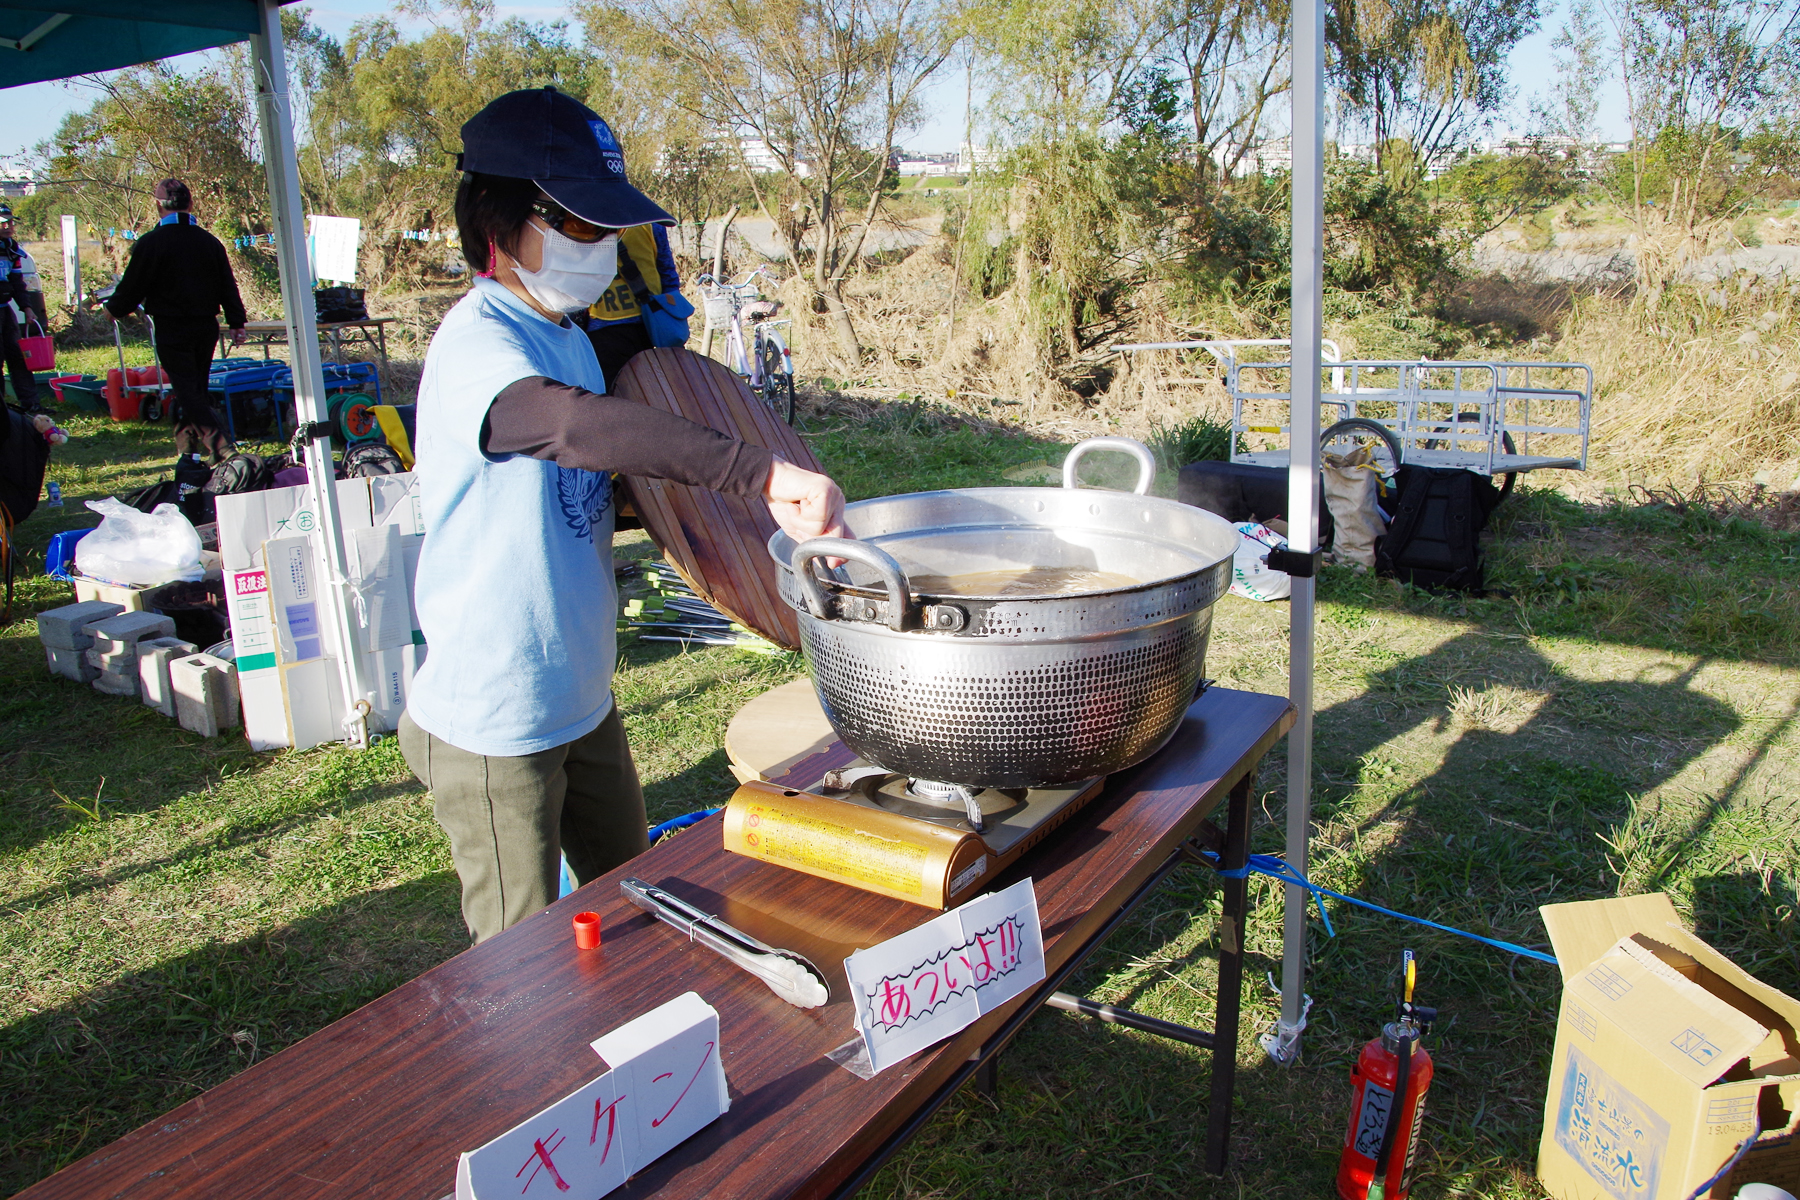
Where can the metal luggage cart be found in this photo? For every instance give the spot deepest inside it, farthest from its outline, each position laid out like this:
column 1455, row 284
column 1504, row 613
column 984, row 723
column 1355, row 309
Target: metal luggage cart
column 1480, row 416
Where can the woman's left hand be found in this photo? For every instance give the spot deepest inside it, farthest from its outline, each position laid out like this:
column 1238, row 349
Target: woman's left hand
column 804, row 503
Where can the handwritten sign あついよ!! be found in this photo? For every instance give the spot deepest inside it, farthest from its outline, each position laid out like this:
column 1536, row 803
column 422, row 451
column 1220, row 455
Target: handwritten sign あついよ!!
column 931, row 982
column 666, row 1083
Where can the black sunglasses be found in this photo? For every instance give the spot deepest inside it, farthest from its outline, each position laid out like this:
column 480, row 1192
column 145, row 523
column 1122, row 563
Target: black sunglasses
column 567, row 223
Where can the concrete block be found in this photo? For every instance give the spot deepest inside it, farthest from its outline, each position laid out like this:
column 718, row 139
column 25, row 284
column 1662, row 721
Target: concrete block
column 154, row 656
column 206, row 693
column 132, row 627
column 65, row 628
column 70, row 664
column 116, row 639
column 119, row 658
column 114, row 684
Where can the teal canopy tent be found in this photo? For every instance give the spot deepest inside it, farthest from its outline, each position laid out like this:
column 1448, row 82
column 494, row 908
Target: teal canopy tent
column 85, row 36
column 81, row 37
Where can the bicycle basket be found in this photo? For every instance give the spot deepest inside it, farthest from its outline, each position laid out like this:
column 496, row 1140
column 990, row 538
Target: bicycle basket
column 720, row 307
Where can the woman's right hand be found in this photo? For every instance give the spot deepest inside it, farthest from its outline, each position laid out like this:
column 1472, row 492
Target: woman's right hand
column 804, row 503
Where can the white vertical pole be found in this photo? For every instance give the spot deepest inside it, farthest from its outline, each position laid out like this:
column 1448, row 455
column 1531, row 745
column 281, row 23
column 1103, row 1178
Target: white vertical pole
column 1308, row 148
column 275, row 111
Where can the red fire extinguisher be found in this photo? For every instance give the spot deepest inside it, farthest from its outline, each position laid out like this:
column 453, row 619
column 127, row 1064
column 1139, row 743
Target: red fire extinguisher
column 1387, row 1104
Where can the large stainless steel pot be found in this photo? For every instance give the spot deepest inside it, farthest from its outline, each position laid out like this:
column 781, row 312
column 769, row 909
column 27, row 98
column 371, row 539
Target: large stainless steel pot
column 1015, row 691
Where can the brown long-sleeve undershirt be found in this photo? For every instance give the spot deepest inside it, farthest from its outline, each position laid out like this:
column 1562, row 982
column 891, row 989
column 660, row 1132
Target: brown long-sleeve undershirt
column 574, row 427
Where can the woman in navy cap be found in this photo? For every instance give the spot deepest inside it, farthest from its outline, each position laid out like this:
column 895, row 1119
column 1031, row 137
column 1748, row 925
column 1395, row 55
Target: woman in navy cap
column 511, row 721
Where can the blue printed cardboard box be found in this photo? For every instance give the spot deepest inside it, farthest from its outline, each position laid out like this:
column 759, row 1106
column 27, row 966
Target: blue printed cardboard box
column 1670, row 1060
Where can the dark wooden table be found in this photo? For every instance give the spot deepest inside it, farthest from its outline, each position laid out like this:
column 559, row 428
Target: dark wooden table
column 381, row 1102
column 370, row 331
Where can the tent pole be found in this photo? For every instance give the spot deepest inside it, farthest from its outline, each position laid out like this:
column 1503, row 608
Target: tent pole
column 1308, row 149
column 275, row 112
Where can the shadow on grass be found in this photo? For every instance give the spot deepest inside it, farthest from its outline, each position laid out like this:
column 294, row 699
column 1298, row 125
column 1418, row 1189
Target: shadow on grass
column 234, row 835
column 1750, row 916
column 75, row 1077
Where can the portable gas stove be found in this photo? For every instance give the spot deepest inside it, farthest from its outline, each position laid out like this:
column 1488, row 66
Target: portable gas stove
column 918, row 840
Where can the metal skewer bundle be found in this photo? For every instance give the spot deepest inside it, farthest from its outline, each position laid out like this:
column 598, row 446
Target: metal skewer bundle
column 676, row 614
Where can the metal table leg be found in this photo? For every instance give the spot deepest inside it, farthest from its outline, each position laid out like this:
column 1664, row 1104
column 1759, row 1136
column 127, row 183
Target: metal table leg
column 1231, row 975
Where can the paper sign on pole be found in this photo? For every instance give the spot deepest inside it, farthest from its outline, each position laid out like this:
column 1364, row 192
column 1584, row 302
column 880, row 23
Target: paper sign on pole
column 71, row 252
column 931, row 982
column 665, row 1085
column 333, row 243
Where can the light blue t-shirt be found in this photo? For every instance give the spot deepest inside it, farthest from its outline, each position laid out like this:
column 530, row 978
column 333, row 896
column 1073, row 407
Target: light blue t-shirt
column 515, row 590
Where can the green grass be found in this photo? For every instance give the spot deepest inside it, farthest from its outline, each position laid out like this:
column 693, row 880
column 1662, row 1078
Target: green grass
column 1622, row 720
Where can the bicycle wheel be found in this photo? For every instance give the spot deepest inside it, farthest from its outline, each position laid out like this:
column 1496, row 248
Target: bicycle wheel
column 1506, row 446
column 777, row 380
column 1348, row 435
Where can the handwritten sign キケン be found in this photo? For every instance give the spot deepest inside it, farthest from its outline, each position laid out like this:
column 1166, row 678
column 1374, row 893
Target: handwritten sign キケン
column 933, row 981
column 666, row 1084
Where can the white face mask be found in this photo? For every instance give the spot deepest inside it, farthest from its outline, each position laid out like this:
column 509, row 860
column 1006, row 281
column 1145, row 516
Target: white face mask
column 573, row 274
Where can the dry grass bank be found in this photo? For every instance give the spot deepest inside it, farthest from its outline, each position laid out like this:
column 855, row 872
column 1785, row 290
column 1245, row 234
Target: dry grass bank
column 1699, row 389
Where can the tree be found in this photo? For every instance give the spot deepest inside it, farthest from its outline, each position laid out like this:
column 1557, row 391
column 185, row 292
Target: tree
column 153, row 122
column 1233, row 57
column 1426, row 71
column 1580, row 57
column 1701, row 77
column 826, row 86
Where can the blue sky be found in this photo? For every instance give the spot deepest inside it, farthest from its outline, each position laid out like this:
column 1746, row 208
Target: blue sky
column 34, row 111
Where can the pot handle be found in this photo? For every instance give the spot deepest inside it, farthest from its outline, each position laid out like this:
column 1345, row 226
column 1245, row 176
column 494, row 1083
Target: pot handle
column 1137, row 450
column 899, row 595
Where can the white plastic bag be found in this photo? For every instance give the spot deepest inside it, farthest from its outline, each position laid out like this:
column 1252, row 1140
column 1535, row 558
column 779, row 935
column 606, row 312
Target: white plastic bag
column 1251, row 577
column 139, row 549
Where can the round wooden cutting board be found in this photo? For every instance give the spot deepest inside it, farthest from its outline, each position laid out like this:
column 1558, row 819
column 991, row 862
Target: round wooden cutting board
column 718, row 543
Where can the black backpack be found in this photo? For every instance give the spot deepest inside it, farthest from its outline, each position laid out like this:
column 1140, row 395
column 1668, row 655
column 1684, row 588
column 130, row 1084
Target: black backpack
column 244, row 473
column 1434, row 538
column 371, row 458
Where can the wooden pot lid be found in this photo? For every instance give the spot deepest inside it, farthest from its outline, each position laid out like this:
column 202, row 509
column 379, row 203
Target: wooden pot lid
column 779, row 729
column 718, row 543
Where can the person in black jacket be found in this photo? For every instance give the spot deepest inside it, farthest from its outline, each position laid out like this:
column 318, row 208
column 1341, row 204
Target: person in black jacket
column 182, row 277
column 14, row 306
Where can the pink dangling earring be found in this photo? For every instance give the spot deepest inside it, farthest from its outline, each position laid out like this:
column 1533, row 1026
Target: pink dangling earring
column 493, row 260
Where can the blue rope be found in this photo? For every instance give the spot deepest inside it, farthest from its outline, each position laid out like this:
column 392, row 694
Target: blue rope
column 681, row 822
column 1277, row 868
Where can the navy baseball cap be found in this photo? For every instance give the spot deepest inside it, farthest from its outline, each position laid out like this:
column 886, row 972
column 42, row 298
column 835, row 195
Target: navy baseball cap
column 564, row 147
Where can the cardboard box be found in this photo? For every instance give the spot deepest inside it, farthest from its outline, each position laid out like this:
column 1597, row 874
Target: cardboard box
column 1668, row 1059
column 286, row 648
column 248, row 519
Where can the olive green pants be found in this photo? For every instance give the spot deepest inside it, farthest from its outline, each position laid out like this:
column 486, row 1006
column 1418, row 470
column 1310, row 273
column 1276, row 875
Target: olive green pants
column 510, row 817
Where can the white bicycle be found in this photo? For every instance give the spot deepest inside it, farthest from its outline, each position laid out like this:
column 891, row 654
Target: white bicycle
column 762, row 358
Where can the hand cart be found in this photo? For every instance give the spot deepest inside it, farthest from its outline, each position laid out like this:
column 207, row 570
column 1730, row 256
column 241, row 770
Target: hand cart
column 1480, row 416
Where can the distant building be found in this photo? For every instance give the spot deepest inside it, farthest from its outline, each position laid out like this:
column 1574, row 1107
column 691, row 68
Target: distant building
column 970, row 158
column 758, row 157
column 16, row 182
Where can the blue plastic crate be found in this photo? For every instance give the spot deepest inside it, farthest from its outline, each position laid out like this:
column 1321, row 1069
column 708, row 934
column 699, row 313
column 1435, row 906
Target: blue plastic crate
column 59, row 555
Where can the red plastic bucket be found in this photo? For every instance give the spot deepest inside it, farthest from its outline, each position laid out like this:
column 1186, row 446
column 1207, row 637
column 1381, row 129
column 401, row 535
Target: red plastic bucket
column 122, row 404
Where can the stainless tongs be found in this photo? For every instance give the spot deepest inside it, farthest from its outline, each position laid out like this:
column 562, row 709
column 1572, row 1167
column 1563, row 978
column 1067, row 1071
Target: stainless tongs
column 791, row 976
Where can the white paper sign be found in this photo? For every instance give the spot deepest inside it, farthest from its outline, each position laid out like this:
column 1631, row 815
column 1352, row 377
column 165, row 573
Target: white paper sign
column 665, row 1085
column 919, row 988
column 333, row 243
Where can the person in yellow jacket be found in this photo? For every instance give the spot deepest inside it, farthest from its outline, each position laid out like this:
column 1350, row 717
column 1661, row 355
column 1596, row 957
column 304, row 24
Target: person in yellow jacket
column 644, row 306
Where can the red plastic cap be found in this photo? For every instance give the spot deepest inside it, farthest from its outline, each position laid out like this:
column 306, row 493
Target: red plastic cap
column 587, row 931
